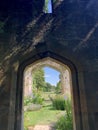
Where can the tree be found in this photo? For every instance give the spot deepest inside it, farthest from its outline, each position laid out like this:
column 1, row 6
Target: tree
column 58, row 87
column 49, row 87
column 38, row 79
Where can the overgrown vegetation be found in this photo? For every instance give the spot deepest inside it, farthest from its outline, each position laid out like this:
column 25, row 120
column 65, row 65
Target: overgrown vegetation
column 58, row 87
column 37, row 99
column 47, row 105
column 28, row 101
column 59, row 102
column 46, row 115
column 65, row 122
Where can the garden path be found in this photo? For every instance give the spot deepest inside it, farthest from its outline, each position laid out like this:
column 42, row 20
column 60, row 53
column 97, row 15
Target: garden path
column 41, row 127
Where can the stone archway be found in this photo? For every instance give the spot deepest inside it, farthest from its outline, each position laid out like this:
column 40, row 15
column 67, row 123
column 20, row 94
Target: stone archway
column 75, row 93
column 65, row 75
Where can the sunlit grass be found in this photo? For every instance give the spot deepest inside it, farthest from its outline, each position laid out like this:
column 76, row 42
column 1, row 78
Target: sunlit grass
column 46, row 115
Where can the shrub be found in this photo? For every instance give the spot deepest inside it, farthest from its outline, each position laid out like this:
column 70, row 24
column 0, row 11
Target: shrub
column 38, row 99
column 65, row 122
column 28, row 101
column 25, row 128
column 58, row 103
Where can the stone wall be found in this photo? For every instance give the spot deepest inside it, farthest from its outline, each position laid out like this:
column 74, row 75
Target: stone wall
column 69, row 35
column 27, row 83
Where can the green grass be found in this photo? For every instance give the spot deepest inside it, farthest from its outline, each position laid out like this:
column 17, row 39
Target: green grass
column 46, row 115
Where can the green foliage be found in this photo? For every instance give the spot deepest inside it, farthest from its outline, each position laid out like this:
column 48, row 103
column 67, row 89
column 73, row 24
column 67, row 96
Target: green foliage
column 38, row 99
column 49, row 87
column 58, row 87
column 25, row 128
column 28, row 101
column 59, row 103
column 65, row 122
column 38, row 79
column 46, row 115
column 46, row 5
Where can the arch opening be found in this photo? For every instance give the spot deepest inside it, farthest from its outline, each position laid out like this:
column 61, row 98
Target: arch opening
column 73, row 82
column 65, row 72
column 48, row 95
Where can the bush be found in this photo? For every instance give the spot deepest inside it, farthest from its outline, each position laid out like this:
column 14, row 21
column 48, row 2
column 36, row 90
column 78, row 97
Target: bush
column 38, row 99
column 28, row 101
column 65, row 122
column 58, row 103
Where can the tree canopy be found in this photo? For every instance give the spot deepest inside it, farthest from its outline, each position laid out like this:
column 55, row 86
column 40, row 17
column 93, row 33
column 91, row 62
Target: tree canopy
column 38, row 79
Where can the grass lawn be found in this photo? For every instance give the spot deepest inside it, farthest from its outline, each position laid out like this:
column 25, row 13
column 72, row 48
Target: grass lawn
column 45, row 115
